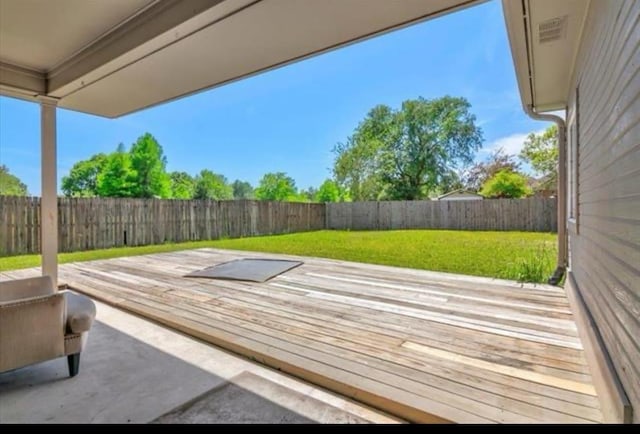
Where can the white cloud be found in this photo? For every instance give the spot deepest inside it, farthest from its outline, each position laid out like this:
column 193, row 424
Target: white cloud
column 511, row 144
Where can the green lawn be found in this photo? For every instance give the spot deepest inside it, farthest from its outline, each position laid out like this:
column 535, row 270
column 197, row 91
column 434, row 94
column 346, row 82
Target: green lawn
column 523, row 256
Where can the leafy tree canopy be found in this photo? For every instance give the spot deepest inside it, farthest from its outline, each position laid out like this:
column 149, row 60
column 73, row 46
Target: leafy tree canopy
column 117, row 178
column 10, row 185
column 406, row 153
column 149, row 166
column 82, row 180
column 276, row 186
column 358, row 162
column 541, row 152
column 183, row 185
column 242, row 190
column 330, row 191
column 210, row 185
column 506, row 184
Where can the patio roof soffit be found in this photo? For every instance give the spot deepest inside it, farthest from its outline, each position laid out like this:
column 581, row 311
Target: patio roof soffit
column 116, row 57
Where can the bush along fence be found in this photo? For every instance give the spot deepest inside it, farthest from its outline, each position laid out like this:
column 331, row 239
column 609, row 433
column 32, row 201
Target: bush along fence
column 99, row 223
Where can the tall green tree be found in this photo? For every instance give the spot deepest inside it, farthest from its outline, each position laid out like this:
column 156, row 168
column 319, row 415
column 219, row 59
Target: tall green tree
column 183, row 185
column 149, row 165
column 329, row 191
column 541, row 152
column 242, row 190
column 406, row 153
column 506, row 184
column 276, row 186
column 10, row 185
column 117, row 178
column 357, row 165
column 210, row 185
column 82, row 180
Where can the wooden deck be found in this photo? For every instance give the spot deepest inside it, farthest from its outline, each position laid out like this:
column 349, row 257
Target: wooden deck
column 429, row 347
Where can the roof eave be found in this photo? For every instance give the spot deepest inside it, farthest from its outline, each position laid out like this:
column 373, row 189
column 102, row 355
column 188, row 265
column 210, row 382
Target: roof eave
column 515, row 20
column 545, row 67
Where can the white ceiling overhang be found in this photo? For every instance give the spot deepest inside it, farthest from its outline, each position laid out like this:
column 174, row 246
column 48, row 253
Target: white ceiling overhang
column 113, row 57
column 545, row 37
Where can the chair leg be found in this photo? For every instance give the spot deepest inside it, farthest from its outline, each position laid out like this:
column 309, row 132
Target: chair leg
column 74, row 364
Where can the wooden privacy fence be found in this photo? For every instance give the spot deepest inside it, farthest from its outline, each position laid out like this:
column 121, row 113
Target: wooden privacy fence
column 531, row 214
column 99, row 223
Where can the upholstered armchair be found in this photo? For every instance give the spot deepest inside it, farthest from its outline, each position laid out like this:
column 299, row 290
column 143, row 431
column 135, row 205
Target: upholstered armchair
column 38, row 323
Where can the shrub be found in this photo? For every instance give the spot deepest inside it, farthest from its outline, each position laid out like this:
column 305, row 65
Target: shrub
column 535, row 267
column 506, row 184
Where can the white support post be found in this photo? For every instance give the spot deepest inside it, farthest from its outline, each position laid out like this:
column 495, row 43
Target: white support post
column 49, row 200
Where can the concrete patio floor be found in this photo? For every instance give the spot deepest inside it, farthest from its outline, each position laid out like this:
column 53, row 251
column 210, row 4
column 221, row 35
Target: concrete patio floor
column 135, row 371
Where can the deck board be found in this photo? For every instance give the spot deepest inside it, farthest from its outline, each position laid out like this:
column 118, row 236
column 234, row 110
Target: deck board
column 425, row 346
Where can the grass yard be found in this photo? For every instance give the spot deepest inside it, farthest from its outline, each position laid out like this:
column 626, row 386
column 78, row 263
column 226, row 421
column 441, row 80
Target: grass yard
column 524, row 256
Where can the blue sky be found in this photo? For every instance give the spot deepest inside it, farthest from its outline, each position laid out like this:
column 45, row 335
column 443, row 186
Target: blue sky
column 289, row 119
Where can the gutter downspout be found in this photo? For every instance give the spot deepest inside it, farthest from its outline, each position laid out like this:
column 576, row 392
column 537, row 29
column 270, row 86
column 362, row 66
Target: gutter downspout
column 562, row 190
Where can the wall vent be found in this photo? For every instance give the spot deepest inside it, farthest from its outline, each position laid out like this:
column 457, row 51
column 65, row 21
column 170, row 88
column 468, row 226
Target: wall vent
column 552, row 30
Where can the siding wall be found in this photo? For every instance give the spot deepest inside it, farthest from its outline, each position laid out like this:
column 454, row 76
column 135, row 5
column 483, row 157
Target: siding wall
column 605, row 240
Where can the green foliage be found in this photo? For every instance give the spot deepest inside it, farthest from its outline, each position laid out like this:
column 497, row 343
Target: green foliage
column 149, row 166
column 406, row 153
column 82, row 180
column 357, row 165
column 450, row 181
column 183, row 185
column 431, row 138
column 329, row 191
column 478, row 174
column 137, row 173
column 534, row 266
column 211, row 185
column 117, row 178
column 309, row 194
column 277, row 186
column 242, row 190
column 477, row 253
column 541, row 152
column 299, row 197
column 10, row 185
column 506, row 184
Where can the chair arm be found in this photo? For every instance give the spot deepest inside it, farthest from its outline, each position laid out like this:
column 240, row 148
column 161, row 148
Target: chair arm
column 80, row 313
column 31, row 330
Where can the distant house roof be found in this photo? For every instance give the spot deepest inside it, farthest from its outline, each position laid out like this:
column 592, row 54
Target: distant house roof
column 460, row 191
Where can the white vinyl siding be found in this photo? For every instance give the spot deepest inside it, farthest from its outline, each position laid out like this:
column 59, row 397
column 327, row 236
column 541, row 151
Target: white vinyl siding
column 604, row 125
